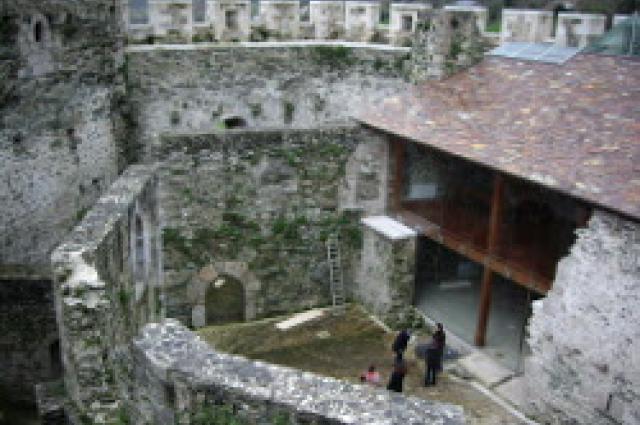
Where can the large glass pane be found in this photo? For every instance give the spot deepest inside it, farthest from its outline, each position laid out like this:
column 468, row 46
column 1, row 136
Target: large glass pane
column 510, row 310
column 448, row 288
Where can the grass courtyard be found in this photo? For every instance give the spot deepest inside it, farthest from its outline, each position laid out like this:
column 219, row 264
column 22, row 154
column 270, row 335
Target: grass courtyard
column 343, row 347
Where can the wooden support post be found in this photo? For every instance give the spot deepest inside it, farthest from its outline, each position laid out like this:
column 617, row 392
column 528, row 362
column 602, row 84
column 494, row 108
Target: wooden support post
column 398, row 175
column 487, row 277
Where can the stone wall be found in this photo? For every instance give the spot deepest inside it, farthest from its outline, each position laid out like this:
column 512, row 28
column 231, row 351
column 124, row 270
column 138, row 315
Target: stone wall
column 195, row 88
column 360, row 19
column 445, row 42
column 387, row 275
column 59, row 79
column 256, row 206
column 107, row 277
column 281, row 18
column 28, row 335
column 403, row 21
column 584, row 336
column 178, row 376
column 327, row 17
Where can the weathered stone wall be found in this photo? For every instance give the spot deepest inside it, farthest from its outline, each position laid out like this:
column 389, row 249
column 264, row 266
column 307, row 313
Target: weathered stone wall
column 386, row 282
column 107, row 286
column 28, row 335
column 281, row 18
column 258, row 205
column 195, row 88
column 401, row 14
column 59, row 64
column 327, row 17
column 360, row 19
column 445, row 42
column 584, row 336
column 532, row 26
column 178, row 376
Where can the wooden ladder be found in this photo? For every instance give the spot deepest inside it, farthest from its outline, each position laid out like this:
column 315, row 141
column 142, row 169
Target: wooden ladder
column 336, row 284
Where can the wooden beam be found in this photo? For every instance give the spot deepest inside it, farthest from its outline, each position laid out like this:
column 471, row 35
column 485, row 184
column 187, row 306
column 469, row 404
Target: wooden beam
column 487, row 277
column 484, row 306
column 519, row 274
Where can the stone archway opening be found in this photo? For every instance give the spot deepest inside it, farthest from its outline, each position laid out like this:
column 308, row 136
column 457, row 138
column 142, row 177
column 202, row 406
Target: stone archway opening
column 224, row 301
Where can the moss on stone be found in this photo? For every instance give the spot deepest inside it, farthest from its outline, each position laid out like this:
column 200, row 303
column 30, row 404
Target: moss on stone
column 334, row 57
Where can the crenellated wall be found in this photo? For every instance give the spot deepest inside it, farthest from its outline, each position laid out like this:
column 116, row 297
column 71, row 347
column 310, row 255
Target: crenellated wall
column 446, row 42
column 107, row 285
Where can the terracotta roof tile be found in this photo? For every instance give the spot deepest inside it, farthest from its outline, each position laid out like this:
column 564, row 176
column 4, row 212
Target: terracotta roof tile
column 574, row 127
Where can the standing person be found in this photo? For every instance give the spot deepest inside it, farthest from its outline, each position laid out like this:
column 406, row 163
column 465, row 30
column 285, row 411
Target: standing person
column 432, row 363
column 397, row 376
column 439, row 340
column 400, row 344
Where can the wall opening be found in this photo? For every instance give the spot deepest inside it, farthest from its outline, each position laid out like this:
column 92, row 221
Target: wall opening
column 231, row 19
column 199, row 11
column 407, row 23
column 234, row 122
column 224, row 301
column 37, row 32
column 139, row 248
column 54, row 359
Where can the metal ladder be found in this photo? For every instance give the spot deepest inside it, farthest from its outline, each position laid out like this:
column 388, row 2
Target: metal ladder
column 335, row 273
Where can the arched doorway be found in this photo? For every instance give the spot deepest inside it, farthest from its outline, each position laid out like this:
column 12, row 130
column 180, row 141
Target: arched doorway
column 224, row 301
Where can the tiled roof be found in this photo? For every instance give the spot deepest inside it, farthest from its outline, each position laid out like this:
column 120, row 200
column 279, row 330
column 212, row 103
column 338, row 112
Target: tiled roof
column 572, row 127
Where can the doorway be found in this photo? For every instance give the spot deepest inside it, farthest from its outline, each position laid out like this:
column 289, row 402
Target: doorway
column 224, row 301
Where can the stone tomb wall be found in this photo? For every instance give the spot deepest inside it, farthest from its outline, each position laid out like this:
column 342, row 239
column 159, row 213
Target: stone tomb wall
column 194, row 89
column 584, row 336
column 107, row 277
column 179, row 376
column 256, row 206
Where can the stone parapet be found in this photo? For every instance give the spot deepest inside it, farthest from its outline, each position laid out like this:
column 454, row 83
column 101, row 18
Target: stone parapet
column 179, row 375
column 107, row 277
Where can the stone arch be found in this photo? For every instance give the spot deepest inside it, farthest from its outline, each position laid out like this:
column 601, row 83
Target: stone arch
column 236, row 272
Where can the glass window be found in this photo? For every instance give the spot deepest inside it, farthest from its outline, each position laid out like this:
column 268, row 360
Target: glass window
column 139, row 12
column 199, row 11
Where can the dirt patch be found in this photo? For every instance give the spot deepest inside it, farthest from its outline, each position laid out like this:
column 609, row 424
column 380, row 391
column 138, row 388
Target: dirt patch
column 343, row 347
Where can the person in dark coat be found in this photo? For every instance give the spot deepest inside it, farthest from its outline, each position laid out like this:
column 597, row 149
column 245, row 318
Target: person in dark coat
column 397, row 376
column 400, row 344
column 432, row 365
column 439, row 340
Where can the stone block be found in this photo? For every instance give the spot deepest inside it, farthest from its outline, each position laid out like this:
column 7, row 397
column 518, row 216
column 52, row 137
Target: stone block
column 198, row 316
